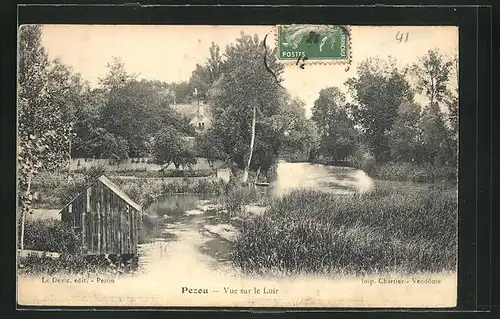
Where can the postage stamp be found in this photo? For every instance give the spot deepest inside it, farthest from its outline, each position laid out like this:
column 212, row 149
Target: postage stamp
column 324, row 43
column 220, row 177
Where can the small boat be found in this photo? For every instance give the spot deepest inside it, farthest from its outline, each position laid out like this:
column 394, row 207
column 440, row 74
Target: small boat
column 261, row 184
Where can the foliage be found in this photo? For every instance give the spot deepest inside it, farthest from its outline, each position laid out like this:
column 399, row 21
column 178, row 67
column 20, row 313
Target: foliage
column 362, row 159
column 50, row 235
column 411, row 171
column 378, row 91
column 438, row 145
column 171, row 147
column 209, row 146
column 405, row 134
column 300, row 135
column 205, row 75
column 244, row 86
column 336, row 128
column 44, row 120
column 117, row 77
column 433, row 74
column 311, row 231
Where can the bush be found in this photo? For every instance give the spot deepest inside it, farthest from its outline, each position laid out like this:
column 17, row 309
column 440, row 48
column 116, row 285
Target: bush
column 404, row 171
column 50, row 235
column 362, row 159
column 386, row 231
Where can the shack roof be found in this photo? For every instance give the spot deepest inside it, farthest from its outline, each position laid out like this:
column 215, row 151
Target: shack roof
column 115, row 189
column 103, row 179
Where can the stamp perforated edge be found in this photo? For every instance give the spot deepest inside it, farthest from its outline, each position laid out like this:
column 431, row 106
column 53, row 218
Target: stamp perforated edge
column 346, row 62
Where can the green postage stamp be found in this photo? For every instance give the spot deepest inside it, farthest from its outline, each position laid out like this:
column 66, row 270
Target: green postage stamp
column 321, row 43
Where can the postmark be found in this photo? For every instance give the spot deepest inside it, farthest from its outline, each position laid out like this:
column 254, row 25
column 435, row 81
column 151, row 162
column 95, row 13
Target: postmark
column 314, row 43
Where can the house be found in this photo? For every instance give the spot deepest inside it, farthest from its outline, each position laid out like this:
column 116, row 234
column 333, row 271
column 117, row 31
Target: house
column 197, row 111
column 106, row 218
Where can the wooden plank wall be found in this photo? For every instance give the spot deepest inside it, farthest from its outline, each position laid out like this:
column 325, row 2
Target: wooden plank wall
column 110, row 224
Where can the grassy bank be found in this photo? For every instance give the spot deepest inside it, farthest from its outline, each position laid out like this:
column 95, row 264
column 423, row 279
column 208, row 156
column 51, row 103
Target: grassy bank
column 54, row 190
column 387, row 231
column 415, row 172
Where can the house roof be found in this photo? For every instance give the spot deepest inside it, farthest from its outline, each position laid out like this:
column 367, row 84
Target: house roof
column 115, row 189
column 186, row 110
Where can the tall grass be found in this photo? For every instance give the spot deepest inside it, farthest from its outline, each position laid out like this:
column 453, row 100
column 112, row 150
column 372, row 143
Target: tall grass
column 403, row 171
column 386, row 231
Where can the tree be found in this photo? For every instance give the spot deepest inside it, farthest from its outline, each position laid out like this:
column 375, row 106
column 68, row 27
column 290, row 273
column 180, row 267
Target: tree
column 181, row 92
column 437, row 144
column 405, row 135
column 172, row 147
column 87, row 121
column 336, row 129
column 244, row 99
column 136, row 111
column 300, row 134
column 433, row 73
column 205, row 75
column 378, row 91
column 43, row 128
column 117, row 77
column 209, row 146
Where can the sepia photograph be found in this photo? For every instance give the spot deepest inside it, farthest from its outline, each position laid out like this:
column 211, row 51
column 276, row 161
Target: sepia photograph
column 237, row 166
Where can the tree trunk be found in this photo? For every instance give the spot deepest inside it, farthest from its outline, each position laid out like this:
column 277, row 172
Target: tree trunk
column 23, row 213
column 252, row 141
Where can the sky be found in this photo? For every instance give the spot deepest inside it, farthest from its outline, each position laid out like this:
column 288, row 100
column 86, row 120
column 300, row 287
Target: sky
column 170, row 53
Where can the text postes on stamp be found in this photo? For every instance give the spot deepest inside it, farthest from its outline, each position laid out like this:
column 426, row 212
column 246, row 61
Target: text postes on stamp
column 314, row 43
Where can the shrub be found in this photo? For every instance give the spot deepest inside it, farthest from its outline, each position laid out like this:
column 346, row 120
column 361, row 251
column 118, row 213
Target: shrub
column 404, row 171
column 311, row 231
column 50, row 235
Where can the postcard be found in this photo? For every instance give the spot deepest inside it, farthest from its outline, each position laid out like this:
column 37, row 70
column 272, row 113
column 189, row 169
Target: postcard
column 237, row 166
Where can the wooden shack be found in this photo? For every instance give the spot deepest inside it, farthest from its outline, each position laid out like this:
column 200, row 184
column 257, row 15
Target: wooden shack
column 106, row 218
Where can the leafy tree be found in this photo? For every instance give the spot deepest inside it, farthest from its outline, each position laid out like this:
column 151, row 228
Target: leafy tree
column 171, row 147
column 205, row 75
column 437, row 143
column 87, row 119
column 117, row 77
column 209, row 146
column 433, row 74
column 336, row 129
column 378, row 91
column 244, row 99
column 136, row 111
column 300, row 135
column 181, row 92
column 43, row 127
column 405, row 135
column 108, row 145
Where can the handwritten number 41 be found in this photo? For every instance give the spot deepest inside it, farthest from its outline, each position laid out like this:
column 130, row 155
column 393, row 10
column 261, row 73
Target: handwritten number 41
column 402, row 36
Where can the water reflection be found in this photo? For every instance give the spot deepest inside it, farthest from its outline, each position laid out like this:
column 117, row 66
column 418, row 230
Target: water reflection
column 335, row 179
